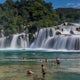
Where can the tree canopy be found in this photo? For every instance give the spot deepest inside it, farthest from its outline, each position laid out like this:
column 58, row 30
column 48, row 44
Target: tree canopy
column 68, row 14
column 16, row 16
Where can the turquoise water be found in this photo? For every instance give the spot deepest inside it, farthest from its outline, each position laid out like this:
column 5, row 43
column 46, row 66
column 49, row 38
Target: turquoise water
column 69, row 68
column 34, row 54
column 71, row 59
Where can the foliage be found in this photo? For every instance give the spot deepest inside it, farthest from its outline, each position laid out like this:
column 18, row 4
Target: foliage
column 68, row 14
column 16, row 16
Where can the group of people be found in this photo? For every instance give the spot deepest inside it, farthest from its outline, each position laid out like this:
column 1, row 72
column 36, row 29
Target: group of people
column 43, row 69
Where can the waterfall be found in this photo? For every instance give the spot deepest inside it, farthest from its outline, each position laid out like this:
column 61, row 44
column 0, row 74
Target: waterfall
column 47, row 38
column 43, row 34
column 2, row 32
column 24, row 42
column 62, row 38
column 27, row 42
column 63, row 42
column 2, row 40
column 14, row 41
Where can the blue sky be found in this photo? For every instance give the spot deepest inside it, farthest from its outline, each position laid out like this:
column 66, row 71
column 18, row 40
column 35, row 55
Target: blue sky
column 1, row 1
column 65, row 3
column 61, row 3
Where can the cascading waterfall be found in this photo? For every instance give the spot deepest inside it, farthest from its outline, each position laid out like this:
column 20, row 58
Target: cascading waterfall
column 64, row 38
column 63, row 42
column 43, row 34
column 14, row 42
column 24, row 42
column 2, row 39
column 2, row 42
column 61, row 38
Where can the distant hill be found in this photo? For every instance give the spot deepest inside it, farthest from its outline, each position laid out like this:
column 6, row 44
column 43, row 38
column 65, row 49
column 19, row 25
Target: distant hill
column 68, row 14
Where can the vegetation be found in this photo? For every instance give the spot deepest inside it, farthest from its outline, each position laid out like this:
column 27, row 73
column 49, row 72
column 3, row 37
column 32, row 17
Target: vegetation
column 68, row 14
column 15, row 17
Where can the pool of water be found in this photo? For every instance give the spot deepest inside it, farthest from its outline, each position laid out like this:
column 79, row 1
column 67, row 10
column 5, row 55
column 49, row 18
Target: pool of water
column 69, row 68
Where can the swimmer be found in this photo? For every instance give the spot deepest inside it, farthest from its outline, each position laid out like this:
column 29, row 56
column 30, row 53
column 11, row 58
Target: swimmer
column 43, row 71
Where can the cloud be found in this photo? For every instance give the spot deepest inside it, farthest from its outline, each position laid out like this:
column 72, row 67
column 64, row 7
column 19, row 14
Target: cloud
column 75, row 5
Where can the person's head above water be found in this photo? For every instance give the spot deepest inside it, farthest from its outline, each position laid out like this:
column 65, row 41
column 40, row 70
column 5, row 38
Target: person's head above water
column 42, row 65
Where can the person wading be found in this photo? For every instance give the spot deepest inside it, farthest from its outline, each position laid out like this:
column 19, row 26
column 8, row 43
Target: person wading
column 58, row 61
column 43, row 71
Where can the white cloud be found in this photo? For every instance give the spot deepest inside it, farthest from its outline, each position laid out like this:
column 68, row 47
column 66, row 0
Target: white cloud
column 75, row 5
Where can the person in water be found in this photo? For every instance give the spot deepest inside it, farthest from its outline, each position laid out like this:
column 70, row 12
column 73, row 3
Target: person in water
column 46, row 60
column 43, row 71
column 29, row 72
column 58, row 61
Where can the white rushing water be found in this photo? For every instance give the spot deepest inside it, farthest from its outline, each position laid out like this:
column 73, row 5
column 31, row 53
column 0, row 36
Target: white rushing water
column 14, row 42
column 68, row 38
column 62, row 38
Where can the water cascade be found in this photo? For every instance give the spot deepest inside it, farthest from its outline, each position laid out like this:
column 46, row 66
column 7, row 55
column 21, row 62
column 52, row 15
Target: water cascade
column 2, row 42
column 64, row 38
column 15, row 41
column 43, row 34
column 61, row 38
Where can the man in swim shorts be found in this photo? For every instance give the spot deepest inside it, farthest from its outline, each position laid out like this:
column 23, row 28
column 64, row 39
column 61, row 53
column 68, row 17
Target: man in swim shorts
column 43, row 71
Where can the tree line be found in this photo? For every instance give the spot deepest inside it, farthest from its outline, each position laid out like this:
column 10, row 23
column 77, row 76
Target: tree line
column 68, row 14
column 17, row 16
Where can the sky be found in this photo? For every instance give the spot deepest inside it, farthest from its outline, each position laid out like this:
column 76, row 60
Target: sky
column 61, row 3
column 65, row 3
